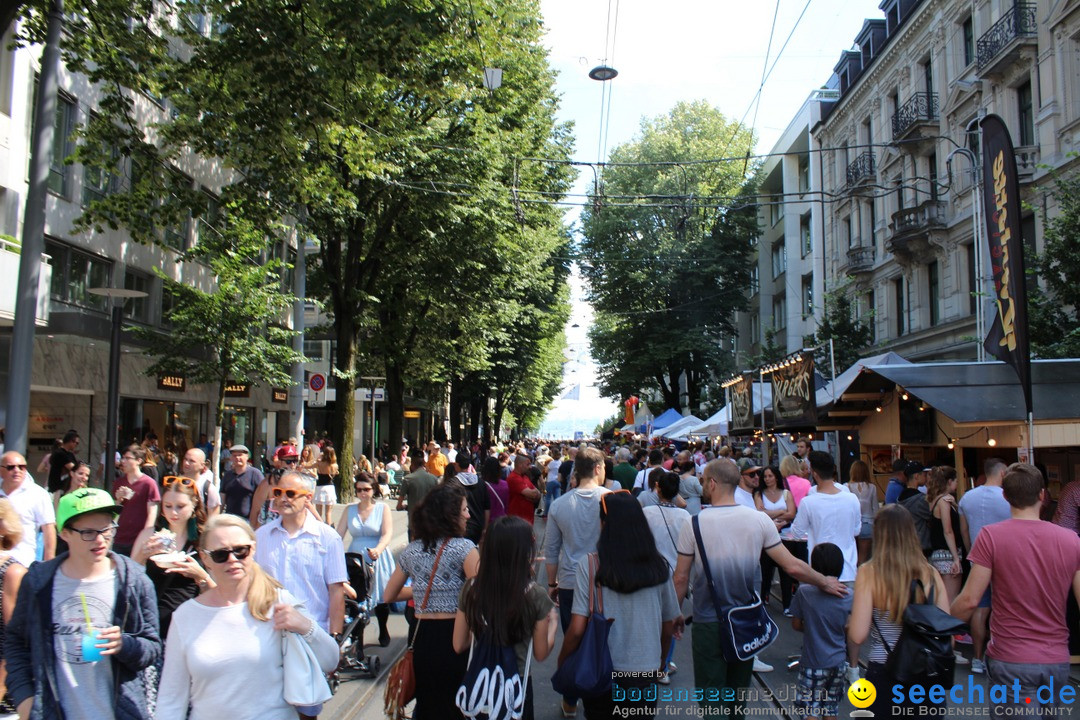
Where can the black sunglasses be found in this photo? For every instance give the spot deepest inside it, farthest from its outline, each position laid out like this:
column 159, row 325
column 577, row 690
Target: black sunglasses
column 290, row 460
column 11, row 468
column 221, row 555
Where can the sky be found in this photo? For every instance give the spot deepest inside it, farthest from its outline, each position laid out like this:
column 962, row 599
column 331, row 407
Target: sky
column 713, row 50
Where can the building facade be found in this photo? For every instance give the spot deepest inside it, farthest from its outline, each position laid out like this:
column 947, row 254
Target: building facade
column 71, row 349
column 901, row 230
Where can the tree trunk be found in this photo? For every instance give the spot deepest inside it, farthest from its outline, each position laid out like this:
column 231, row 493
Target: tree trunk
column 500, row 408
column 345, row 402
column 669, row 390
column 473, row 429
column 456, row 410
column 395, row 403
column 485, row 419
column 219, row 420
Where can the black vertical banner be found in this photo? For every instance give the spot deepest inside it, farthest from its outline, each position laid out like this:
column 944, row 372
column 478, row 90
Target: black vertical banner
column 1007, row 339
column 793, row 394
column 742, row 404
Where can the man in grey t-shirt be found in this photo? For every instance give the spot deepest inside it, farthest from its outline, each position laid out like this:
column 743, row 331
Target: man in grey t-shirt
column 733, row 537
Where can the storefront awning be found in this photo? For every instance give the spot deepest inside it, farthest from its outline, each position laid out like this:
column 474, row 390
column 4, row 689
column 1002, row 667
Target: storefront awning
column 970, row 392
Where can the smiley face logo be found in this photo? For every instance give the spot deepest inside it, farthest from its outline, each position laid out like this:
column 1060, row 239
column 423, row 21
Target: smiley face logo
column 862, row 693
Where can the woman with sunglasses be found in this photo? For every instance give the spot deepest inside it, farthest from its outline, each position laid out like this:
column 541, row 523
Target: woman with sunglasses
column 181, row 521
column 224, row 652
column 632, row 584
column 438, row 560
column 371, row 526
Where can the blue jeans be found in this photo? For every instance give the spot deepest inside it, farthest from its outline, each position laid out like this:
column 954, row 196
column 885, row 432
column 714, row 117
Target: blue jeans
column 554, row 490
column 1031, row 677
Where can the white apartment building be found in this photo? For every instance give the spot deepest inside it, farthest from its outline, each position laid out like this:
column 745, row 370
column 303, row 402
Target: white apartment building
column 899, row 223
column 71, row 350
column 786, row 279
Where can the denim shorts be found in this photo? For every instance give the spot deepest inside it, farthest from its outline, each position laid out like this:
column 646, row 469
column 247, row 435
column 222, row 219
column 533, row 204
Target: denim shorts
column 867, row 532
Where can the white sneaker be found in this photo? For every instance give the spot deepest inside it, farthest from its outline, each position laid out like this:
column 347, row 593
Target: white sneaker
column 672, row 668
column 760, row 666
column 961, row 660
column 978, row 666
column 852, row 674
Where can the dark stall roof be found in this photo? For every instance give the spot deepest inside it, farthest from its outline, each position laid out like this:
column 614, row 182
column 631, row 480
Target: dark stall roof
column 971, row 392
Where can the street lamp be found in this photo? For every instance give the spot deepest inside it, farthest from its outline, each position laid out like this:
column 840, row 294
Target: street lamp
column 117, row 297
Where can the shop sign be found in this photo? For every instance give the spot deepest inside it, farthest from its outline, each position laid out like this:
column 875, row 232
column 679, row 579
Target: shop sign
column 793, row 392
column 279, row 395
column 412, row 414
column 742, row 403
column 238, row 390
column 176, row 383
column 48, row 424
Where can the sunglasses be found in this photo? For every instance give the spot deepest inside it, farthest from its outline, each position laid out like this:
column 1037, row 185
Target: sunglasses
column 221, row 555
column 90, row 535
column 11, row 468
column 177, row 480
column 605, row 496
column 290, row 494
column 290, row 460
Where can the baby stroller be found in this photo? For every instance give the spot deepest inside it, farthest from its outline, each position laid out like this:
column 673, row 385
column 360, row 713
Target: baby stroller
column 357, row 616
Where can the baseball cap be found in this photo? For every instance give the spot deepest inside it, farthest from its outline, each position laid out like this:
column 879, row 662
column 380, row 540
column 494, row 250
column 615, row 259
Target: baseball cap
column 239, row 448
column 287, row 451
column 82, row 502
column 747, row 465
column 912, row 468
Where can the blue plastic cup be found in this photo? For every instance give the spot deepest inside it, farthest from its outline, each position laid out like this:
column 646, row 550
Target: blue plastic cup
column 90, row 651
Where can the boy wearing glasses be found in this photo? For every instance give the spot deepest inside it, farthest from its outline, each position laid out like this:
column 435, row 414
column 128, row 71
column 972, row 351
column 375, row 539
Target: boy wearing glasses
column 85, row 623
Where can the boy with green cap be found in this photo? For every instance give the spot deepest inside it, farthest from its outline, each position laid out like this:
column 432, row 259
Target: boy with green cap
column 85, row 624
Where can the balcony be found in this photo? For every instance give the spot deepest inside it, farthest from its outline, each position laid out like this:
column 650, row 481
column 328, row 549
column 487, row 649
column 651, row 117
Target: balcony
column 913, row 230
column 920, row 110
column 1027, row 161
column 860, row 260
column 861, row 170
column 9, row 282
column 1000, row 46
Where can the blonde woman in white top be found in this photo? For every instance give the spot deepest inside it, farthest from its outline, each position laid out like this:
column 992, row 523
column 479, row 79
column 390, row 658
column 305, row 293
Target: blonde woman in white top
column 224, row 653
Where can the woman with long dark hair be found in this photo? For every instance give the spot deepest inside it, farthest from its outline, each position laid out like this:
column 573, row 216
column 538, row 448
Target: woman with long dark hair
column 637, row 593
column 439, row 560
column 773, row 498
column 882, row 593
column 503, row 604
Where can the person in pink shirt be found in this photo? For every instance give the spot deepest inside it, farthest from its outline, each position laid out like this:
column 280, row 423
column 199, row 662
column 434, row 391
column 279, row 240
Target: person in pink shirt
column 1033, row 564
column 794, row 471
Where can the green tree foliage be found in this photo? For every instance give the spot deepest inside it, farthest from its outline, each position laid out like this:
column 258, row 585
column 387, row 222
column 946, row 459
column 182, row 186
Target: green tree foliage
column 1054, row 312
column 666, row 252
column 851, row 336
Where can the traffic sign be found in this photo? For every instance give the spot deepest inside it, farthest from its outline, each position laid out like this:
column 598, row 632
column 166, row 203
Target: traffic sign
column 317, row 382
column 364, row 394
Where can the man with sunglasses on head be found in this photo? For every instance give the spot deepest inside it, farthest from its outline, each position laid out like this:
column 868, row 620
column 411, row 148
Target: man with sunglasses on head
column 305, row 555
column 34, row 506
column 85, row 624
column 193, row 466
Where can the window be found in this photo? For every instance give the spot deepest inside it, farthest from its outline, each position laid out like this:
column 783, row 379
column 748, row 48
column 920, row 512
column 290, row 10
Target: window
column 779, row 312
column 848, row 235
column 928, row 75
column 900, row 192
column 755, row 329
column 776, row 208
column 137, row 308
column 806, row 241
column 208, row 220
column 871, row 309
column 779, row 259
column 62, row 143
column 98, row 183
column 175, row 235
column 967, row 30
column 872, row 214
column 1027, row 114
column 755, row 279
column 808, row 296
column 168, row 304
column 804, row 173
column 901, row 306
column 7, row 70
column 933, row 282
column 868, row 129
column 74, row 273
column 931, row 163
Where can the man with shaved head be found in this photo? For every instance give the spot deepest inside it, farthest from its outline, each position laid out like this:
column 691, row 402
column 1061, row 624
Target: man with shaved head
column 194, row 467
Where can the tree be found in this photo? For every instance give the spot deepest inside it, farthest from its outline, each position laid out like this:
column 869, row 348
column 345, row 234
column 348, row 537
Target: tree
column 666, row 252
column 1054, row 313
column 851, row 336
column 232, row 333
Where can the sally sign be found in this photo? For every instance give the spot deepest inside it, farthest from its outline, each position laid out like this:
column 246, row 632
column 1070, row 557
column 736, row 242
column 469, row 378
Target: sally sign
column 1007, row 339
column 793, row 392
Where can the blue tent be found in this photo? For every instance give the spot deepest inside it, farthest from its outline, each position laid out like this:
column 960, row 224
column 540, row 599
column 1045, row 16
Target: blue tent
column 667, row 418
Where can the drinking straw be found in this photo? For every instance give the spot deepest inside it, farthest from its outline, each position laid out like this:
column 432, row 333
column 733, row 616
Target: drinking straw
column 86, row 613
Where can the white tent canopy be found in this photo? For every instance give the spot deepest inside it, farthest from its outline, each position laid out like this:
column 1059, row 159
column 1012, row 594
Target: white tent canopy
column 716, row 424
column 677, row 430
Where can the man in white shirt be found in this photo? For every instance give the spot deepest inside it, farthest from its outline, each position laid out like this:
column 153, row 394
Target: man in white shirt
column 194, row 467
column 305, row 555
column 829, row 515
column 750, row 476
column 34, row 506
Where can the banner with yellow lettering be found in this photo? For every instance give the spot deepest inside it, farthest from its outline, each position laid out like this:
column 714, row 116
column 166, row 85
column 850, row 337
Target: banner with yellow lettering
column 1007, row 339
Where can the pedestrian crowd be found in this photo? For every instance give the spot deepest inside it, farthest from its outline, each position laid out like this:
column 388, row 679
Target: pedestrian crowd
column 177, row 597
